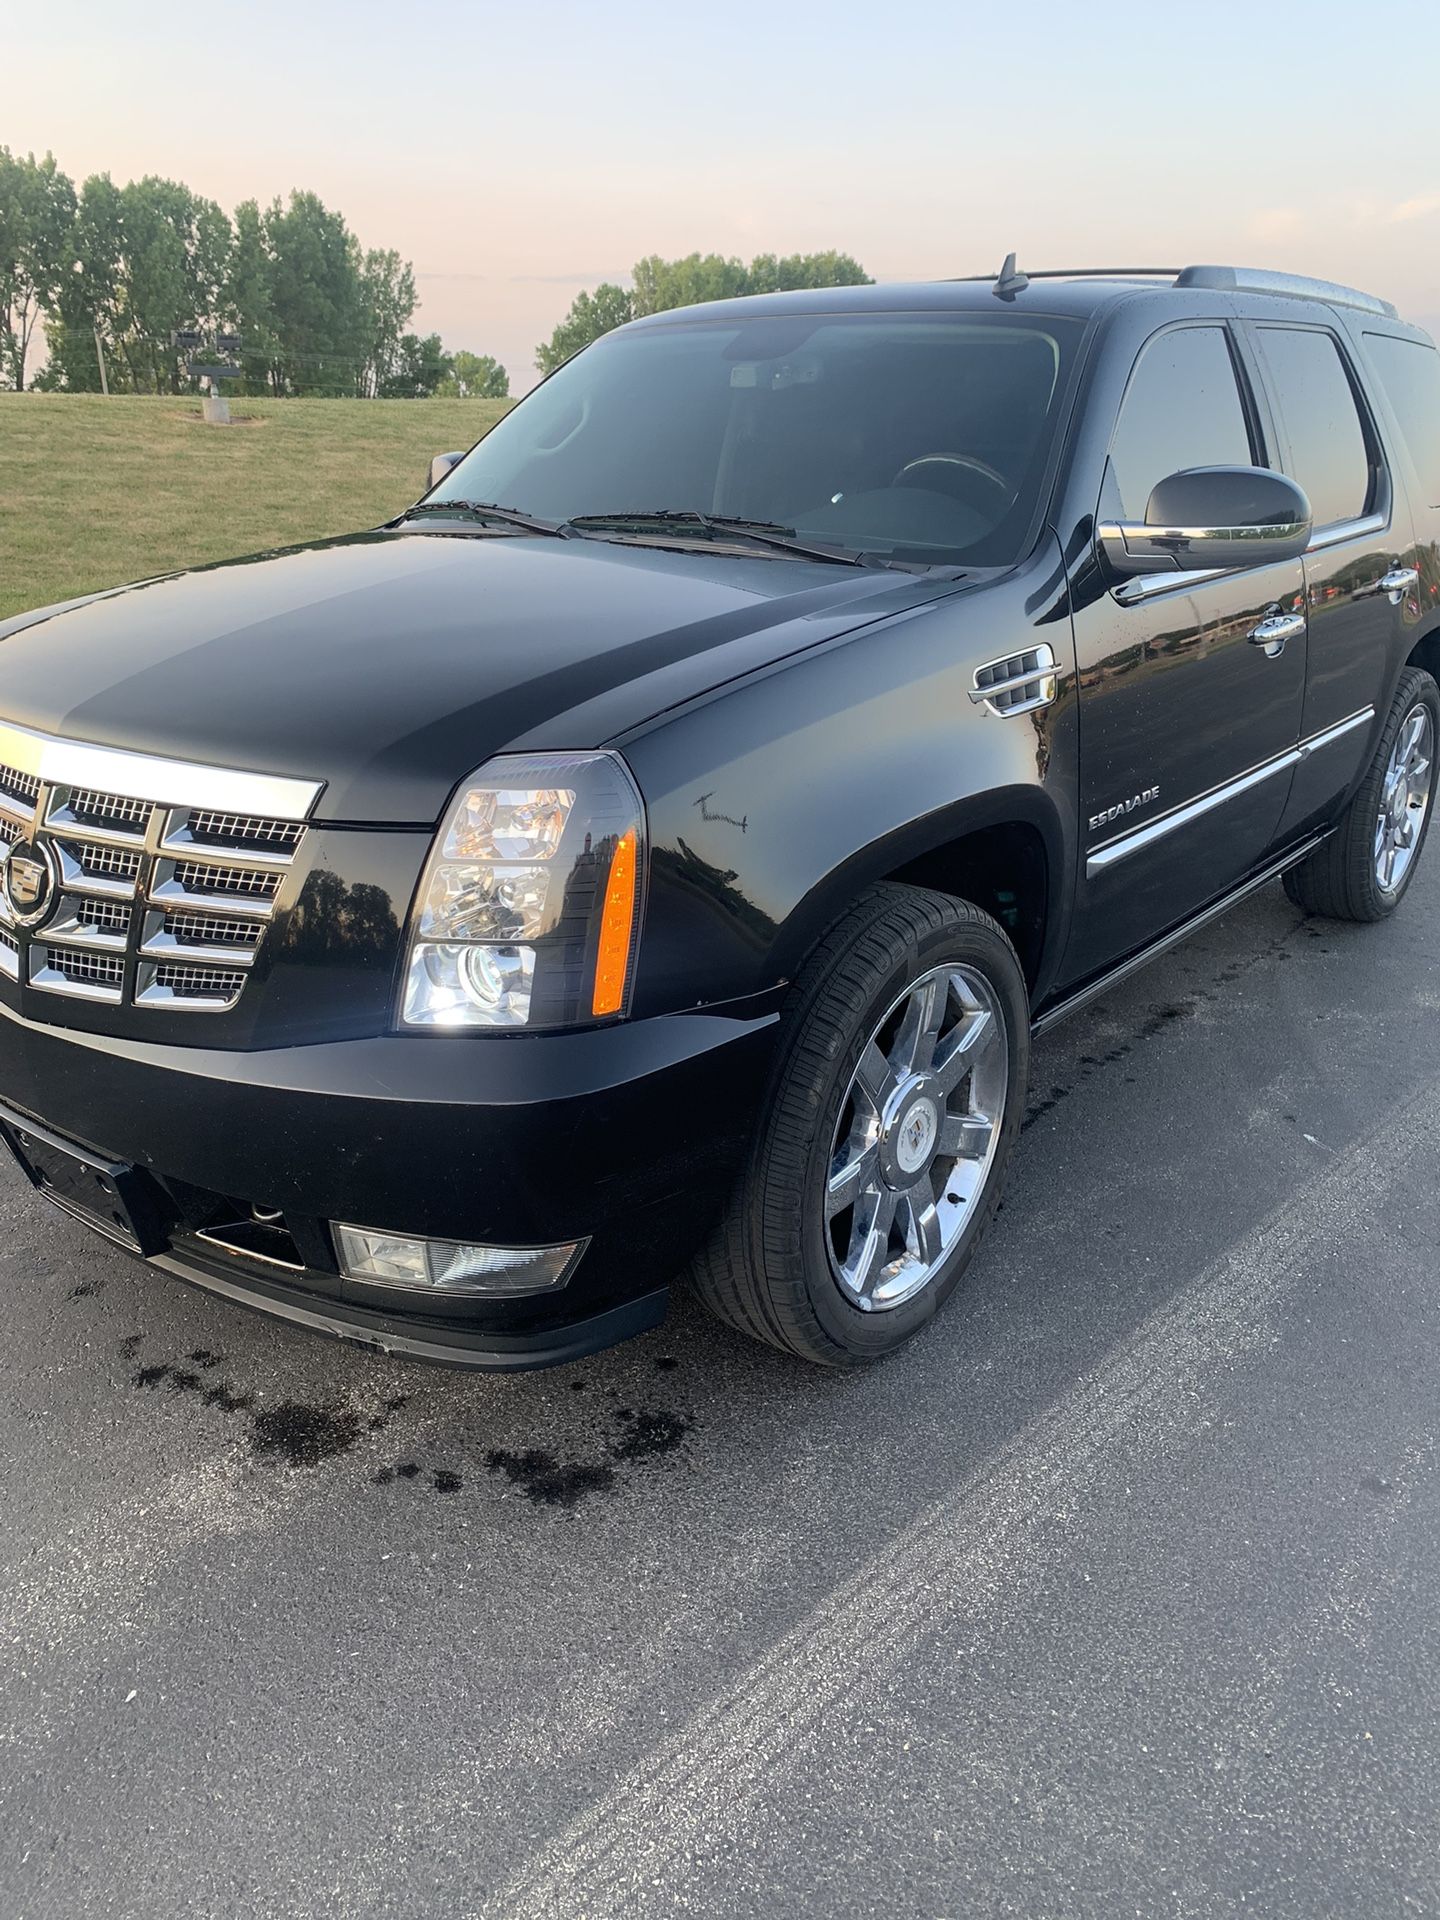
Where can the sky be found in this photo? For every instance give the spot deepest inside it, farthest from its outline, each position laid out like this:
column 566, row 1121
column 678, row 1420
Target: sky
column 517, row 154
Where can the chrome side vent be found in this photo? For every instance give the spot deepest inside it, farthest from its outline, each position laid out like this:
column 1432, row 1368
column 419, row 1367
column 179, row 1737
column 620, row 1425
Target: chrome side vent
column 1019, row 683
column 164, row 875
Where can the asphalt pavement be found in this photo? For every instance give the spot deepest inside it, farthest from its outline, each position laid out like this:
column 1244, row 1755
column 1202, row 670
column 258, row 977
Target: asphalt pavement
column 1117, row 1593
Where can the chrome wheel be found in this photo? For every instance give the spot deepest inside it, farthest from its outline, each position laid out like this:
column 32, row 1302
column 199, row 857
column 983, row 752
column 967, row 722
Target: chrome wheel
column 1404, row 799
column 918, row 1131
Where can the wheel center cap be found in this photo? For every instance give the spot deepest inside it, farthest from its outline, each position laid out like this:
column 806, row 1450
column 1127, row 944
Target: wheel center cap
column 915, row 1135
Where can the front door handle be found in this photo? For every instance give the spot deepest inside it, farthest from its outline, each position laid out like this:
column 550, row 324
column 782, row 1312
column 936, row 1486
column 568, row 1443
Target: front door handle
column 1274, row 630
column 1398, row 580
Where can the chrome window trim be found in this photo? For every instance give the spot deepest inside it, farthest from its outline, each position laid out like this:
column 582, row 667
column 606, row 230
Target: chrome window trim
column 1102, row 858
column 1143, row 530
column 163, row 782
column 1145, row 585
column 1347, row 530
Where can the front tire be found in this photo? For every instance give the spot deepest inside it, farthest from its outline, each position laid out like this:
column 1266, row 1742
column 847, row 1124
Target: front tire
column 896, row 1101
column 1362, row 871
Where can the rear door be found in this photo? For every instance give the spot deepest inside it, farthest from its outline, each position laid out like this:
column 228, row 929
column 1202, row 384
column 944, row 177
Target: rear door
column 1187, row 722
column 1360, row 571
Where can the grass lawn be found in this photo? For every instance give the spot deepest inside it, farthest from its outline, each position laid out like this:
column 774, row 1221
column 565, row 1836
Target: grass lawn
column 97, row 491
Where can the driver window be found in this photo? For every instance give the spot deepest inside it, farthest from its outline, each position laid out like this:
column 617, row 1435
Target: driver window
column 1181, row 409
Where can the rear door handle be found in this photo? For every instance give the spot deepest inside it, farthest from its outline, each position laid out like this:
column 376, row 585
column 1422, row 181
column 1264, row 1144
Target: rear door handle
column 1274, row 630
column 1398, row 580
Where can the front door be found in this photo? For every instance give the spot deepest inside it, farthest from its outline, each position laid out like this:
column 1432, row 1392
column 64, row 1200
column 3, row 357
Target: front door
column 1188, row 713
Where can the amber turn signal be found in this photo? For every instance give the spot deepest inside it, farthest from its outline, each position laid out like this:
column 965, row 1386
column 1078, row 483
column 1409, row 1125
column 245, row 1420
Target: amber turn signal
column 617, row 923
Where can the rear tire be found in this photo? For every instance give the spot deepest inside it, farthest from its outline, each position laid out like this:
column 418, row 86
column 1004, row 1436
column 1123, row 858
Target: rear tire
column 1363, row 870
column 900, row 1080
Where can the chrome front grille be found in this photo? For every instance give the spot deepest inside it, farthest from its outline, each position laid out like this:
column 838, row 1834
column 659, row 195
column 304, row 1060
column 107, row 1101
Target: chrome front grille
column 18, row 791
column 170, row 983
column 101, row 862
column 209, row 930
column 233, row 829
column 201, row 877
column 163, row 876
column 109, row 810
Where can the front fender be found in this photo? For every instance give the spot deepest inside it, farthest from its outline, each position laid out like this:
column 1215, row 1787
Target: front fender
column 773, row 803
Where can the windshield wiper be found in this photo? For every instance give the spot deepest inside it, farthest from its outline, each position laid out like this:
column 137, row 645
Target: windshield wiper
column 487, row 510
column 763, row 533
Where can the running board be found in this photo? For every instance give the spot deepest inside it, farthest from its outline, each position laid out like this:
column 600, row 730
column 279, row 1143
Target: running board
column 1064, row 1008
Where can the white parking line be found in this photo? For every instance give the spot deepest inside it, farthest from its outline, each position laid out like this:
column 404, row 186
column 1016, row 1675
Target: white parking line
column 960, row 1557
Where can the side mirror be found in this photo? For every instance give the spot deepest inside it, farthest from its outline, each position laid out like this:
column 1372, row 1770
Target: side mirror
column 440, row 466
column 1210, row 517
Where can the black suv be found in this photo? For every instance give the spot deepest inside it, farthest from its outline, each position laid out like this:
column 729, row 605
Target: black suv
column 658, row 847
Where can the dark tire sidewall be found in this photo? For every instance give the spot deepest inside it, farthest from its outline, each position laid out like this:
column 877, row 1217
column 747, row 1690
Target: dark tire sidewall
column 855, row 1334
column 1415, row 689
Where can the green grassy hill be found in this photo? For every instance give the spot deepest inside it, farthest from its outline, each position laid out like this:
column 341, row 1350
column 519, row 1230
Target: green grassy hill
column 96, row 491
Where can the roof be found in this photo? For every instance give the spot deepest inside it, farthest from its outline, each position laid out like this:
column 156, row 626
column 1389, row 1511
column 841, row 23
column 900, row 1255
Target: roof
column 1056, row 291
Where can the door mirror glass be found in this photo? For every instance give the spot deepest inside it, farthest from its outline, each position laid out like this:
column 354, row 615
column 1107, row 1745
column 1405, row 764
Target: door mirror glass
column 440, row 466
column 1210, row 517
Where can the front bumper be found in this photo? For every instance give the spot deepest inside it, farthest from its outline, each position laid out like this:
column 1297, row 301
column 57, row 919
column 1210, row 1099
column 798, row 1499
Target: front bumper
column 628, row 1136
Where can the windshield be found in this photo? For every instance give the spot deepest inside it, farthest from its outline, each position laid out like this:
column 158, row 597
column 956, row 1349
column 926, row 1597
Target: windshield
column 916, row 437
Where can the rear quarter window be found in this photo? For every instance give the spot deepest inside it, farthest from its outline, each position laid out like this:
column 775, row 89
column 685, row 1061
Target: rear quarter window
column 1409, row 371
column 1328, row 455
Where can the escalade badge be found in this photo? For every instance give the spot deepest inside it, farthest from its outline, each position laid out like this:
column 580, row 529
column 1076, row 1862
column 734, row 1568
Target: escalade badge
column 28, row 882
column 1122, row 807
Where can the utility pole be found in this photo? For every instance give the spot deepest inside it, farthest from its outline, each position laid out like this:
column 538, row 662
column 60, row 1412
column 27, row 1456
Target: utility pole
column 100, row 356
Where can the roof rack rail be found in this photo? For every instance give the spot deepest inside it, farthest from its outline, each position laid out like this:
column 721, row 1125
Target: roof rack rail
column 1296, row 285
column 1073, row 273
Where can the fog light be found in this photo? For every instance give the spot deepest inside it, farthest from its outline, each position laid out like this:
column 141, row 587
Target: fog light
column 452, row 1266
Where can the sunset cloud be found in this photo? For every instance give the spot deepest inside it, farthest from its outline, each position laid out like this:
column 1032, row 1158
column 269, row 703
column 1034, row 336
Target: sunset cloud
column 1420, row 208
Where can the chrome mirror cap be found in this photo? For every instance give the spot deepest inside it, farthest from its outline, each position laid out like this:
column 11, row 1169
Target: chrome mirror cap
column 1209, row 518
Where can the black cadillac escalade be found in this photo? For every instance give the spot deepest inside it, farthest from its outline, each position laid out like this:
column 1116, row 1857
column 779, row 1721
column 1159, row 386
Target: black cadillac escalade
column 654, row 851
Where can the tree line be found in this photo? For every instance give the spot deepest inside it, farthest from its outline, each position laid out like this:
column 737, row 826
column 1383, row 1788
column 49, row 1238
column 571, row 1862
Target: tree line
column 115, row 273
column 658, row 285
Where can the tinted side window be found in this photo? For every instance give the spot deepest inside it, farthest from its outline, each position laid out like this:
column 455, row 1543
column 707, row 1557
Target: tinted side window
column 1410, row 375
column 1328, row 455
column 1181, row 409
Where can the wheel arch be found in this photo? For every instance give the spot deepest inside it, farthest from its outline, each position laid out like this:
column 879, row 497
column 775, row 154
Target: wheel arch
column 1002, row 850
column 1426, row 652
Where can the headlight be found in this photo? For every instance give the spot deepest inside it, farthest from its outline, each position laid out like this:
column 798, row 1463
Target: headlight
column 528, row 910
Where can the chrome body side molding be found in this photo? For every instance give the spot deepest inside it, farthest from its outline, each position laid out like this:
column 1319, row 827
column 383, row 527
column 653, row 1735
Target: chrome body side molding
column 1102, row 858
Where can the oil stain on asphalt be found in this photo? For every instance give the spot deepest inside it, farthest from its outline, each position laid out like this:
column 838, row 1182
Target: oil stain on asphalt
column 639, row 1433
column 302, row 1435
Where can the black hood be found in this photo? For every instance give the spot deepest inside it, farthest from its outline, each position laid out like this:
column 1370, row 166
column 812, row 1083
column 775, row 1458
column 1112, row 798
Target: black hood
column 391, row 664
